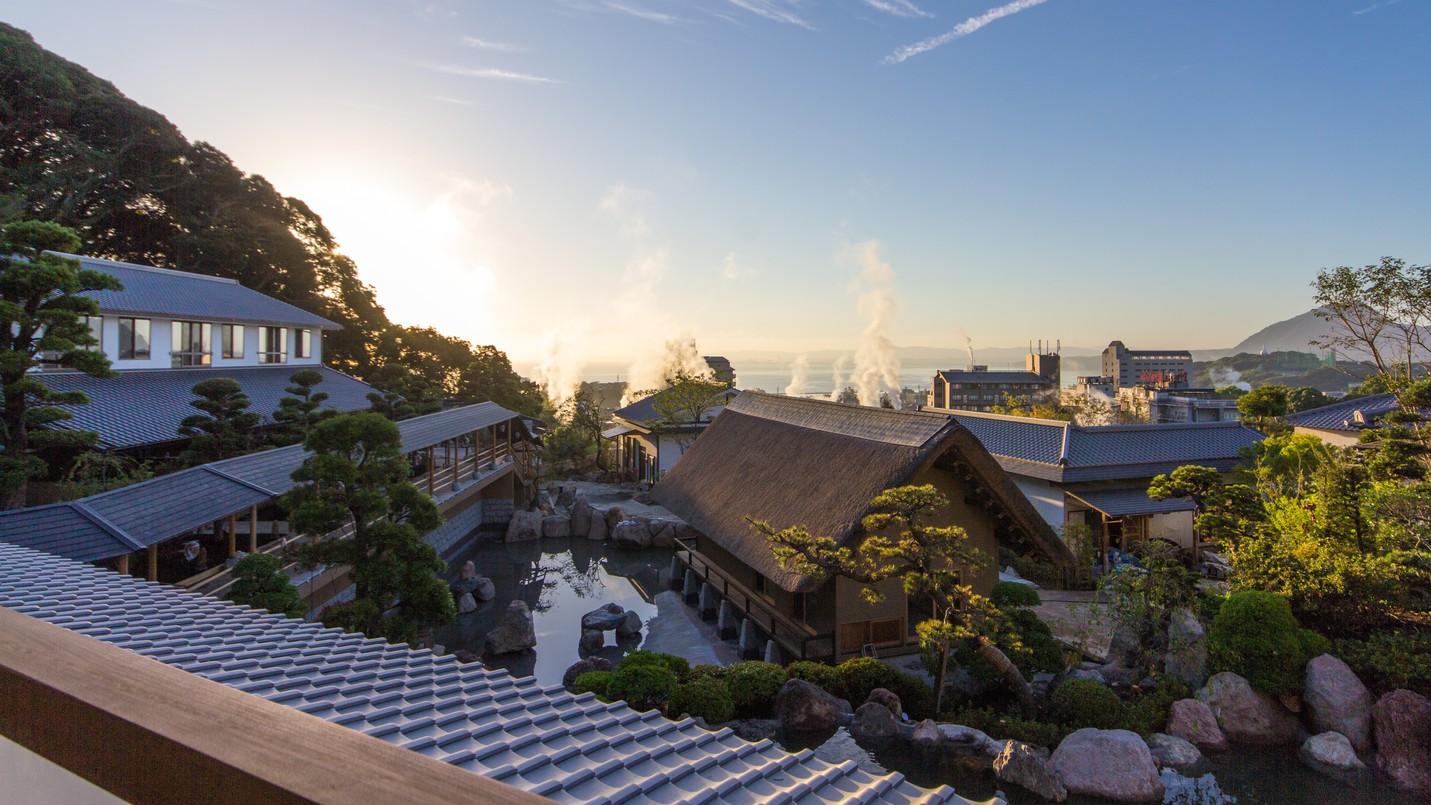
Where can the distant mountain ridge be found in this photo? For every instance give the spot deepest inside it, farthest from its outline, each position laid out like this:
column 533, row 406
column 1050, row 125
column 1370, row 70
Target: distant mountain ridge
column 1296, row 334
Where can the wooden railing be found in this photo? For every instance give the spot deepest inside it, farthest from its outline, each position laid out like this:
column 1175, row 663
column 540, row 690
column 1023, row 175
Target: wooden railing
column 150, row 733
column 798, row 638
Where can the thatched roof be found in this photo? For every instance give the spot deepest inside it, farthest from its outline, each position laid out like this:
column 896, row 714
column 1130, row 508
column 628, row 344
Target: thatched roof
column 793, row 461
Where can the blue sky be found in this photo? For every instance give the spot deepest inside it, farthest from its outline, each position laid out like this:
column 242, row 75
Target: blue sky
column 612, row 173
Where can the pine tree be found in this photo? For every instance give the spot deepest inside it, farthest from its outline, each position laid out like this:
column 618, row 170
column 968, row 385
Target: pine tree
column 298, row 413
column 225, row 428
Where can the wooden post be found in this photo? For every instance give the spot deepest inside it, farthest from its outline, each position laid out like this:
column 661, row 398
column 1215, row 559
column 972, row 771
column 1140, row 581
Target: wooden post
column 456, row 459
column 431, row 470
column 153, row 574
column 123, row 565
column 253, row 529
column 233, row 534
column 493, row 430
column 509, row 440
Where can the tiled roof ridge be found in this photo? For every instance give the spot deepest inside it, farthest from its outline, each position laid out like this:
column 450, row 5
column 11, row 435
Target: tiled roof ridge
column 177, row 272
column 1159, row 427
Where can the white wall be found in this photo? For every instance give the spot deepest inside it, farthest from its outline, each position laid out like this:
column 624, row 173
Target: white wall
column 160, row 345
column 1175, row 527
column 1046, row 498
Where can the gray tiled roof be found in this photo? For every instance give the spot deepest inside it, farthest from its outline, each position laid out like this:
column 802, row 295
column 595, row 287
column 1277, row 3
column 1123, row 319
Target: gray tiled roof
column 1123, row 502
column 145, row 406
column 997, row 376
column 167, row 293
column 643, row 411
column 570, row 748
column 127, row 519
column 1342, row 415
column 1062, row 451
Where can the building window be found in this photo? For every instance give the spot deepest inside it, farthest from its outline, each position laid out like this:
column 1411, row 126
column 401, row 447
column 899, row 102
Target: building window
column 232, row 335
column 272, row 345
column 96, row 331
column 192, row 344
column 133, row 339
column 302, row 343
column 760, row 585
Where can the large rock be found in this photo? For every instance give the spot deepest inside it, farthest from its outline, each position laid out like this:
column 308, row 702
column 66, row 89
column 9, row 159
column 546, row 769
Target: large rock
column 598, row 530
column 514, row 632
column 631, row 534
column 1186, row 658
column 1247, row 716
column 614, row 515
column 1125, row 647
column 525, row 525
column 1337, row 701
column 1019, row 764
column 663, row 534
column 1193, row 721
column 804, row 706
column 970, row 739
column 887, row 698
column 874, row 720
column 576, row 669
column 557, row 525
column 466, row 603
column 927, row 734
column 842, row 747
column 1401, row 721
column 1170, row 750
column 1330, row 751
column 630, row 625
column 605, row 618
column 581, row 513
column 1115, row 764
column 591, row 641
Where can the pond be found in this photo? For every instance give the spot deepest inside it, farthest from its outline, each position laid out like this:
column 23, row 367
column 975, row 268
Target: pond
column 560, row 580
column 1250, row 776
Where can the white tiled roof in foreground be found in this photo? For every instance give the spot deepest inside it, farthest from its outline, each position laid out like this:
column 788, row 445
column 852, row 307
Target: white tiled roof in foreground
column 544, row 740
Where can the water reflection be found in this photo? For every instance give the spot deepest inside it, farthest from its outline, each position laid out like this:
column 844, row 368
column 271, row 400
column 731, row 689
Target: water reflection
column 560, row 580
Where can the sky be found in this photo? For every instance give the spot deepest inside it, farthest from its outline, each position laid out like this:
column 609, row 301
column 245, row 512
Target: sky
column 594, row 177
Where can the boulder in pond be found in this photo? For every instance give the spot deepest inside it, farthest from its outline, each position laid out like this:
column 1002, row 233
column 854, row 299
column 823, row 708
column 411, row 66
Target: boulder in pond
column 1170, row 750
column 568, row 679
column 1337, row 701
column 484, row 590
column 1247, row 716
column 888, row 699
column 1330, row 751
column 1113, row 764
column 605, row 618
column 1020, row 764
column 927, row 733
column 1401, row 723
column 1186, row 658
column 806, row 707
column 581, row 514
column 591, row 641
column 555, row 526
column 514, row 632
column 525, row 525
column 598, row 530
column 630, row 625
column 663, row 536
column 1193, row 721
column 631, row 534
column 874, row 720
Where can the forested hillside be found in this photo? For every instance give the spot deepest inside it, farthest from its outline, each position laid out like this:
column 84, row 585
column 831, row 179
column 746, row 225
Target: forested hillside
column 76, row 151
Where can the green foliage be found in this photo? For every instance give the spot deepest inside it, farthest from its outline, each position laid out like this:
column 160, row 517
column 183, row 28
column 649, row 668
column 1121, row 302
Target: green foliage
column 1389, row 660
column 704, row 698
column 753, row 685
column 1148, row 713
column 1286, row 465
column 1225, row 513
column 1305, row 398
column 598, row 682
column 357, row 475
column 1255, row 636
column 818, row 674
column 259, row 581
column 1009, row 726
column 644, row 686
column 1035, row 649
column 93, row 472
column 676, row 665
column 716, row 672
column 224, row 429
column 42, row 305
column 1079, row 703
column 1144, row 598
column 402, row 394
column 915, row 697
column 579, row 433
column 1011, row 595
column 566, row 443
column 1263, row 404
column 302, row 409
column 860, row 675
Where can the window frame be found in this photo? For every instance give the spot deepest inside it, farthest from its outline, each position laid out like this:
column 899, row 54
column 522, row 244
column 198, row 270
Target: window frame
column 268, row 355
column 127, row 349
column 302, row 342
column 230, row 336
column 188, row 358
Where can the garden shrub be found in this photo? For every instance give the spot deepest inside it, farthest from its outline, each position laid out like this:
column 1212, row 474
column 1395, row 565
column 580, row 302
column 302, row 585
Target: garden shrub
column 598, row 682
column 861, row 675
column 1386, row 661
column 716, row 672
column 1256, row 637
column 915, row 697
column 753, row 685
column 644, row 686
column 1148, row 713
column 1011, row 594
column 702, row 698
column 1038, row 650
column 1079, row 703
column 672, row 663
column 1009, row 726
column 816, row 673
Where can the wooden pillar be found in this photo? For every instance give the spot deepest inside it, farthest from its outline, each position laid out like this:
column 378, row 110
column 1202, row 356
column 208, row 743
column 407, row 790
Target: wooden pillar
column 509, row 439
column 455, row 459
column 123, row 565
column 431, row 469
column 253, row 529
column 233, row 534
column 153, row 574
column 492, row 431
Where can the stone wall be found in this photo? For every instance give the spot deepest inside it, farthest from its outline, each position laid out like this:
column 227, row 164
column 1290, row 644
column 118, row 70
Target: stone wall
column 498, row 511
column 447, row 535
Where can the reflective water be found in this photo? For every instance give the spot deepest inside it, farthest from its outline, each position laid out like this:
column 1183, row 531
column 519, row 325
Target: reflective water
column 560, row 580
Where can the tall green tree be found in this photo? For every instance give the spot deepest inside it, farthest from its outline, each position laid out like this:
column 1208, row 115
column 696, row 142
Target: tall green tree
column 224, row 429
column 582, row 418
column 41, row 311
column 1223, row 513
column 930, row 560
column 1263, row 405
column 259, row 581
column 358, row 477
column 402, row 393
column 302, row 409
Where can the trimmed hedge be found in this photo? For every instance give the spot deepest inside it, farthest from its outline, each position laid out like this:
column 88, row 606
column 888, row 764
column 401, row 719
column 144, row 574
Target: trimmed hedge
column 861, row 675
column 644, row 686
column 1256, row 637
column 1011, row 594
column 672, row 663
column 702, row 698
column 716, row 672
column 753, row 685
column 597, row 682
column 816, row 673
column 1079, row 703
column 1009, row 726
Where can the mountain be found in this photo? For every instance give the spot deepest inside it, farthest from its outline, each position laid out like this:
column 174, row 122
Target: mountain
column 1292, row 335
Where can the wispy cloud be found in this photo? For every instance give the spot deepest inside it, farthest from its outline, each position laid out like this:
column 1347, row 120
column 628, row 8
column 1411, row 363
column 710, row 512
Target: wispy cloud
column 1373, row 7
column 899, row 8
column 646, row 14
column 732, row 271
column 777, row 10
column 447, row 99
column 484, row 44
column 492, row 73
column 961, row 30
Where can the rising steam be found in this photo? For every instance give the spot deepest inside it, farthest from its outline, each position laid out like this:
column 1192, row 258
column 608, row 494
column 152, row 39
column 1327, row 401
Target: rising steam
column 560, row 371
column 650, row 371
column 838, row 378
column 798, row 371
column 876, row 365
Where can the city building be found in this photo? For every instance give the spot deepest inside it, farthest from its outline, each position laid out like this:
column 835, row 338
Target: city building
column 1342, row 423
column 1161, row 405
column 1127, row 367
column 793, row 461
column 975, row 388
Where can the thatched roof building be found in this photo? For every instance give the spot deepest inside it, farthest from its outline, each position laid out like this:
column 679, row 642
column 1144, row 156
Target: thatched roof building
column 794, row 461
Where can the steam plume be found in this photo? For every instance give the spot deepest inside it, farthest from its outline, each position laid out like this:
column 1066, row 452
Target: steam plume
column 838, row 378
column 798, row 370
column 651, row 370
column 876, row 366
column 560, row 371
